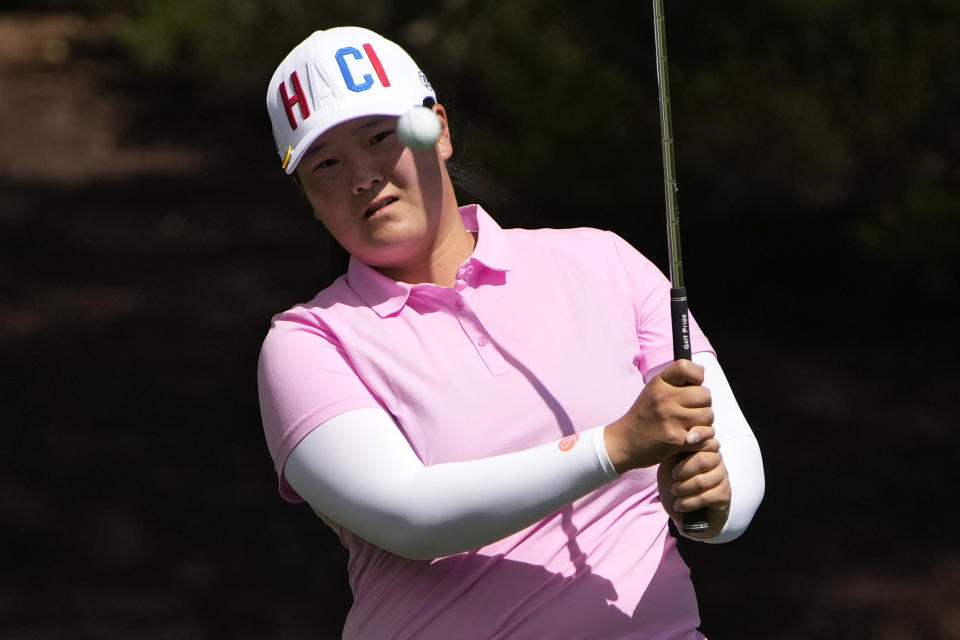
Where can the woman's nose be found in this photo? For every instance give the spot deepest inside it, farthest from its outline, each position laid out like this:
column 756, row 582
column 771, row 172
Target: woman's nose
column 366, row 174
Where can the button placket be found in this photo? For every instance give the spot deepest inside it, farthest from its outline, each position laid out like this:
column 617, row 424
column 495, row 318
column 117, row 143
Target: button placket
column 476, row 333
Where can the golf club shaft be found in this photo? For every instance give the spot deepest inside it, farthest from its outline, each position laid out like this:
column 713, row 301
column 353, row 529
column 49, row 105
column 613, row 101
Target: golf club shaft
column 679, row 316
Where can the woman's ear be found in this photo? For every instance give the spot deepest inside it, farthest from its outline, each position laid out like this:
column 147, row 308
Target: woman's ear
column 445, row 141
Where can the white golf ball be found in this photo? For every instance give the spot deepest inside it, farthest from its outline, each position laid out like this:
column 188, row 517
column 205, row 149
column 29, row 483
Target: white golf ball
column 419, row 128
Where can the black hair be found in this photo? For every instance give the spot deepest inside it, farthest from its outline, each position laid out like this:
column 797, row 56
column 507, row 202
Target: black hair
column 469, row 183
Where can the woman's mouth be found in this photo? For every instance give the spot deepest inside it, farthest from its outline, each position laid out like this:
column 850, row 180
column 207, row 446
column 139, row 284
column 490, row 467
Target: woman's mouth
column 379, row 204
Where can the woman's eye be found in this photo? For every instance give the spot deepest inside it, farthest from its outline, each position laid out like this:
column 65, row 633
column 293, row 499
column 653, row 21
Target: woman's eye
column 380, row 137
column 324, row 164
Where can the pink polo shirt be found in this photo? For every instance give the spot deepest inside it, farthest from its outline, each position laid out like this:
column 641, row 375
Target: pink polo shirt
column 547, row 332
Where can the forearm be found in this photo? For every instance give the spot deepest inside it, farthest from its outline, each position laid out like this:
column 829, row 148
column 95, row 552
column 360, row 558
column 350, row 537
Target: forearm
column 741, row 455
column 358, row 470
column 740, row 451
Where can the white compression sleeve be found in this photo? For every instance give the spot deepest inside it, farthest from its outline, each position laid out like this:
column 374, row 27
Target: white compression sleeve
column 358, row 470
column 738, row 446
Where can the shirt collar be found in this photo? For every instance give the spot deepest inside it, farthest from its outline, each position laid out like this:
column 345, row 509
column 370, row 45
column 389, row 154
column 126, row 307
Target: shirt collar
column 387, row 296
column 491, row 250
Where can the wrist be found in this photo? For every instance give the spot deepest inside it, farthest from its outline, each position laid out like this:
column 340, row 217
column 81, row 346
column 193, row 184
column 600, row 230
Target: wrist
column 615, row 443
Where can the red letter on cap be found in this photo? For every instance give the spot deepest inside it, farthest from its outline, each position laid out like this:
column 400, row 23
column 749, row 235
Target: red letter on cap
column 299, row 98
column 375, row 61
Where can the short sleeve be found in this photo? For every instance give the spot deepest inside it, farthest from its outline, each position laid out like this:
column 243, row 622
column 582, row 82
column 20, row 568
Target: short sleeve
column 651, row 302
column 304, row 378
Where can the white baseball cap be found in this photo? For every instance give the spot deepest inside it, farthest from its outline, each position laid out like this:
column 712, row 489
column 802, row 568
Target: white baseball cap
column 334, row 76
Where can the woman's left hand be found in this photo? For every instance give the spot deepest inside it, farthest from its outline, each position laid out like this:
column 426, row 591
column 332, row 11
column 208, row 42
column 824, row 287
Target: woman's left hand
column 699, row 480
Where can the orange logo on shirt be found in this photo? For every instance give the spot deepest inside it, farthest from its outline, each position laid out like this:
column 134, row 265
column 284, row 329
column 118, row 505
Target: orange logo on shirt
column 567, row 443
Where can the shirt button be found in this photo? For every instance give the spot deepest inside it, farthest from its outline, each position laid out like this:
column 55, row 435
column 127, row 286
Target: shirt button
column 458, row 305
column 482, row 341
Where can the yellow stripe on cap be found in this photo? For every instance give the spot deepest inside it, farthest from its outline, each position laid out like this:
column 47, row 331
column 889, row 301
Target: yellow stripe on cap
column 286, row 159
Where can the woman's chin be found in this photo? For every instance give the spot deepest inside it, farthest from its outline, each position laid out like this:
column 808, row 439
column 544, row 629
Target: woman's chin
column 392, row 252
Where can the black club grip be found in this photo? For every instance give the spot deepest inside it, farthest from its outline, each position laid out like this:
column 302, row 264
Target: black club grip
column 693, row 521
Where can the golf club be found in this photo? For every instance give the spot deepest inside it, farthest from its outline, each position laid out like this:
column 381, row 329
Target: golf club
column 696, row 520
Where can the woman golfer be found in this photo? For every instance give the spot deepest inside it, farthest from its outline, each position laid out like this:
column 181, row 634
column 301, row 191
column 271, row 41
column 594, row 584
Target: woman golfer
column 490, row 419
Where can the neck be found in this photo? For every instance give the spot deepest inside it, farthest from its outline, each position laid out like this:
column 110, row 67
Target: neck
column 453, row 246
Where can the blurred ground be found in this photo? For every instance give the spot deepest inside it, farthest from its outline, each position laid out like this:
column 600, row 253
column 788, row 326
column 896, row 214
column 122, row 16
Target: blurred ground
column 146, row 243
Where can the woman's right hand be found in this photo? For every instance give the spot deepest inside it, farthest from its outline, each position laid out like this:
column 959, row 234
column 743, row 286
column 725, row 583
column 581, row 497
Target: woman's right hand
column 672, row 414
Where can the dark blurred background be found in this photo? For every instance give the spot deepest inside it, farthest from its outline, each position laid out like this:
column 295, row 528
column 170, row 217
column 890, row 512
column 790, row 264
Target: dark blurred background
column 148, row 235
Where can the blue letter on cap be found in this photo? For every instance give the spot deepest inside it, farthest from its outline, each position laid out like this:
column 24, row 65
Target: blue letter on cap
column 345, row 70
